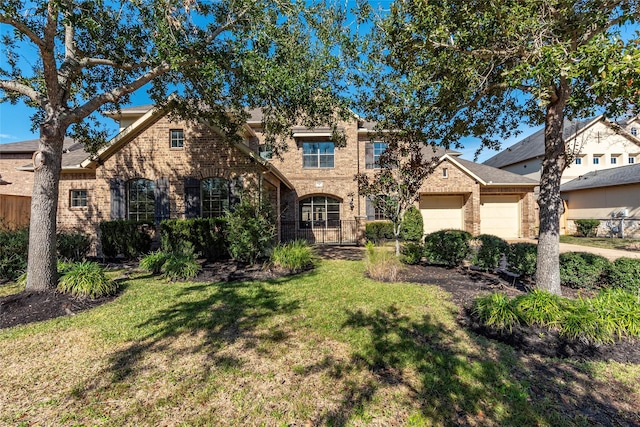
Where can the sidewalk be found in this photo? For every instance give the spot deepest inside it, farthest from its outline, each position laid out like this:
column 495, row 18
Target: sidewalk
column 610, row 254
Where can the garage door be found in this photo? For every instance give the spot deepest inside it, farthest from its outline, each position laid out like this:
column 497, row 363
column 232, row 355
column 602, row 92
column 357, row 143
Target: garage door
column 440, row 212
column 500, row 216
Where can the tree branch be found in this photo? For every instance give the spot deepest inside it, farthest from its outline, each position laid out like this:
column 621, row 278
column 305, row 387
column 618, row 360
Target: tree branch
column 23, row 28
column 14, row 86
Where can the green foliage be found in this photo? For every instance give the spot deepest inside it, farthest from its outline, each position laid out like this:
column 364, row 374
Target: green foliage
column 381, row 263
column 449, row 247
column 206, row 235
column 73, row 246
column 180, row 266
column 251, row 229
column 296, row 255
column 496, row 310
column 624, row 273
column 125, row 237
column 587, row 227
column 379, row 231
column 86, row 280
column 540, row 308
column 491, row 250
column 583, row 323
column 154, row 261
column 14, row 248
column 412, row 253
column 412, row 225
column 582, row 269
column 620, row 311
column 522, row 258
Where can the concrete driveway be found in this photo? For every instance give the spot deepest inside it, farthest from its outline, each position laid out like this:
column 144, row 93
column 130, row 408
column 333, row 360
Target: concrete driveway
column 610, row 254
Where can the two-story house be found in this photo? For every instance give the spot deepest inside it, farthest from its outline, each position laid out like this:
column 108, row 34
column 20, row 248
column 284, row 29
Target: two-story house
column 156, row 168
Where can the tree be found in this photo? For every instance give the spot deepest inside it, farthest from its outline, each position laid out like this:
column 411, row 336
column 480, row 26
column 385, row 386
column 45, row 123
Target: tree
column 220, row 58
column 475, row 68
column 393, row 189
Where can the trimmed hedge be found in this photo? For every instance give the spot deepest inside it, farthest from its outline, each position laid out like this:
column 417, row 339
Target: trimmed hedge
column 624, row 273
column 490, row 253
column 206, row 236
column 582, row 270
column 14, row 246
column 73, row 246
column 522, row 258
column 379, row 231
column 125, row 237
column 448, row 247
column 587, row 227
column 412, row 228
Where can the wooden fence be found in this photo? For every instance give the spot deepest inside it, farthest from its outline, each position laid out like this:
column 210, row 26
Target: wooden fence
column 15, row 211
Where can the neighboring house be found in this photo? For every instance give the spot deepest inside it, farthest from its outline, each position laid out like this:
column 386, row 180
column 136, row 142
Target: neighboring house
column 611, row 195
column 156, row 169
column 594, row 145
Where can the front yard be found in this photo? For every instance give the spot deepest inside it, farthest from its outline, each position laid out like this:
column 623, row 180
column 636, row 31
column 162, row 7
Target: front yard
column 327, row 347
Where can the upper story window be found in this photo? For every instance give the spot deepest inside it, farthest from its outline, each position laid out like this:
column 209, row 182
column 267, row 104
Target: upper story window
column 141, row 199
column 318, row 154
column 378, row 149
column 214, row 197
column 614, row 160
column 319, row 212
column 634, row 131
column 578, row 161
column 177, row 138
column 596, row 160
column 78, row 198
column 265, row 151
column 632, row 160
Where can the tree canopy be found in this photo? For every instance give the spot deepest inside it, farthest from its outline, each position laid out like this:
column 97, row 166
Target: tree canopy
column 218, row 58
column 463, row 68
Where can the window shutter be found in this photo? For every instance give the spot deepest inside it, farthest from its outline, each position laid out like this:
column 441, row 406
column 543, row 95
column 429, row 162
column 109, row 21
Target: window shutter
column 191, row 197
column 370, row 210
column 162, row 199
column 368, row 155
column 118, row 195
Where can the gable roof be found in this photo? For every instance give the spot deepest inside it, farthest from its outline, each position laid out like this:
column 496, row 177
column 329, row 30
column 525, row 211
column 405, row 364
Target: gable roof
column 532, row 146
column 30, row 146
column 490, row 176
column 622, row 175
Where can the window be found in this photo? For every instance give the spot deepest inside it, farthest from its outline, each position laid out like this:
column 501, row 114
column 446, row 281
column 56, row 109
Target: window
column 78, row 198
column 445, row 172
column 632, row 160
column 378, row 149
column 214, row 196
column 265, row 151
column 614, row 160
column 141, row 200
column 177, row 138
column 578, row 160
column 596, row 160
column 634, row 131
column 317, row 154
column 319, row 212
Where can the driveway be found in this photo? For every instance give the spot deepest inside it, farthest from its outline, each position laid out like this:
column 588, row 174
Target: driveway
column 610, row 254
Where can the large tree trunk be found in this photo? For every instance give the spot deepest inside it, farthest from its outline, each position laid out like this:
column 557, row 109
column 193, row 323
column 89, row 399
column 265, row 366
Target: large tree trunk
column 551, row 207
column 42, row 272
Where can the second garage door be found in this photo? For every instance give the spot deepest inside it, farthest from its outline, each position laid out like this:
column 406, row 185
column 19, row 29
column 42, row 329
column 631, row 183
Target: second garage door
column 440, row 212
column 500, row 216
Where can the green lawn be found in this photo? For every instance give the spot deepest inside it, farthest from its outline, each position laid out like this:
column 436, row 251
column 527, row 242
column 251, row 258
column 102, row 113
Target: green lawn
column 329, row 347
column 603, row 242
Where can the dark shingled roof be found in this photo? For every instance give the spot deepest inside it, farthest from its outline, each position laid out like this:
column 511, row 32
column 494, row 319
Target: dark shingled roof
column 30, row 146
column 605, row 178
column 532, row 146
column 495, row 176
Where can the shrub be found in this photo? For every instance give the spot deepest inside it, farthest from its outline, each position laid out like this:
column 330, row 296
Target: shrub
column 251, row 230
column 180, row 266
column 412, row 228
column 379, row 231
column 496, row 310
column 296, row 255
column 206, row 235
column 412, row 253
column 619, row 311
column 154, row 261
column 125, row 237
column 540, row 308
column 582, row 269
column 14, row 248
column 73, row 246
column 448, row 247
column 624, row 273
column 583, row 323
column 490, row 252
column 522, row 258
column 86, row 280
column 381, row 263
column 587, row 227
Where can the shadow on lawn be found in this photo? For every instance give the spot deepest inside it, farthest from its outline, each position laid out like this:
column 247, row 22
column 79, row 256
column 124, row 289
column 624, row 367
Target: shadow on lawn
column 453, row 387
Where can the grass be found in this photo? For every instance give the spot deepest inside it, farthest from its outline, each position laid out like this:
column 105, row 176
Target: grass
column 601, row 242
column 328, row 347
